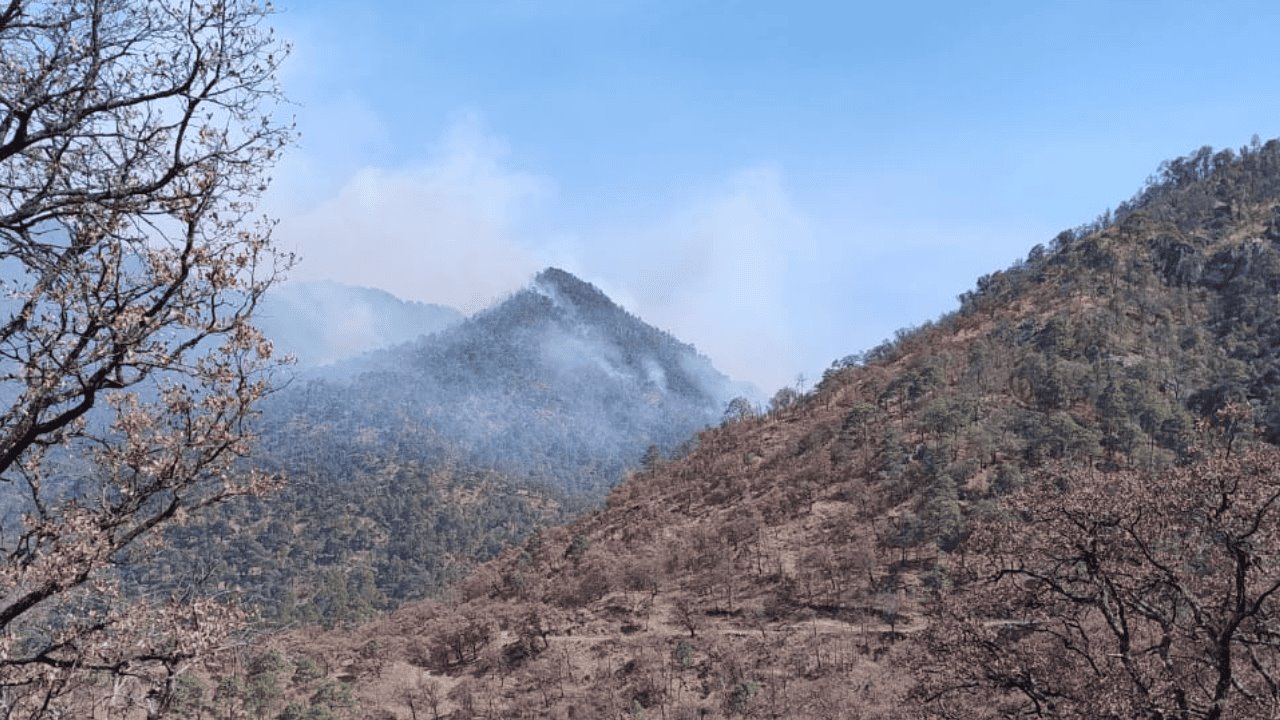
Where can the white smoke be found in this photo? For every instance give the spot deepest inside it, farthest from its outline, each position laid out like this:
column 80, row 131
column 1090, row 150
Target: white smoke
column 445, row 230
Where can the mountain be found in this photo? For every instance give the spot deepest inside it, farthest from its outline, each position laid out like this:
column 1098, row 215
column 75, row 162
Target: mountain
column 557, row 384
column 408, row 464
column 324, row 322
column 1058, row 500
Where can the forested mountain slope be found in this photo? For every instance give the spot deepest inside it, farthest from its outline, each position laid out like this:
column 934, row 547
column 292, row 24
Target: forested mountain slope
column 1056, row 501
column 407, row 465
column 556, row 383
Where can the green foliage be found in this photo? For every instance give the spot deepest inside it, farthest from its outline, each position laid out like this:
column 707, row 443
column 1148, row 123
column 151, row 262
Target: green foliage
column 942, row 516
column 578, row 548
column 683, row 653
column 906, row 531
column 262, row 692
column 333, row 696
column 1008, row 478
column 740, row 696
column 189, row 695
column 297, row 711
column 306, row 671
column 293, row 711
column 326, row 552
column 1130, row 342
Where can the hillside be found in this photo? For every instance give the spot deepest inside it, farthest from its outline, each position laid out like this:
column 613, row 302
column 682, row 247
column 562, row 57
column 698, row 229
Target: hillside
column 556, row 384
column 409, row 464
column 845, row 557
column 322, row 323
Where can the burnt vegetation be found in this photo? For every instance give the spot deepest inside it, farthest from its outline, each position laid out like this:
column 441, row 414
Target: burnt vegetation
column 1057, row 501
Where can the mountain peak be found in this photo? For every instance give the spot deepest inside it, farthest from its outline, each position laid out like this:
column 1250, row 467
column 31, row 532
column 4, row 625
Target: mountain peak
column 570, row 288
column 555, row 275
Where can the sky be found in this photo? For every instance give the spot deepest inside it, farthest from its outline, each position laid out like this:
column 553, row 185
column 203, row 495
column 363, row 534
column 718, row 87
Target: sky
column 780, row 184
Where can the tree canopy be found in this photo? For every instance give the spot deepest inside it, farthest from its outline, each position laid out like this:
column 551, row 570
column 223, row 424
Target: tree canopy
column 134, row 142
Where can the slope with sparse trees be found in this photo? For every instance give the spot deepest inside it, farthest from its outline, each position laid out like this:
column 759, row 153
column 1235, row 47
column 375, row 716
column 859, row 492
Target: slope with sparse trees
column 1057, row 501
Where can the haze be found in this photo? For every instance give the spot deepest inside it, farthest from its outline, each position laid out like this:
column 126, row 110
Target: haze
column 779, row 185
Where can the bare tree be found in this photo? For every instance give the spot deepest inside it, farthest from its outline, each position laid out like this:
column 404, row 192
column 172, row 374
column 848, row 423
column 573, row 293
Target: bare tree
column 1129, row 595
column 134, row 140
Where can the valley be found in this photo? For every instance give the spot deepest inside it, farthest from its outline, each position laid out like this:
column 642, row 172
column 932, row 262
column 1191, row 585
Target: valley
column 829, row 558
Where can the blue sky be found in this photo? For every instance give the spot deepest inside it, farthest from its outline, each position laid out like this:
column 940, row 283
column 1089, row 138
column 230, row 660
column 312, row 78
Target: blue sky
column 779, row 183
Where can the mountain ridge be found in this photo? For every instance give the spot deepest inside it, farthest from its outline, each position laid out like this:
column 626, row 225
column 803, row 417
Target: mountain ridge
column 559, row 345
column 794, row 564
column 325, row 322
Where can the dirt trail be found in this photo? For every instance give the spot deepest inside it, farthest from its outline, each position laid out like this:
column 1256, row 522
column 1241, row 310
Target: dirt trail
column 828, row 627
